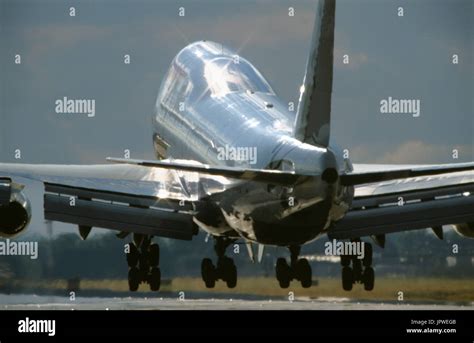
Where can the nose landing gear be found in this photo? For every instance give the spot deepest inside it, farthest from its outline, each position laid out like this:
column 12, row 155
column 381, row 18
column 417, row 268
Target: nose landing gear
column 298, row 269
column 225, row 270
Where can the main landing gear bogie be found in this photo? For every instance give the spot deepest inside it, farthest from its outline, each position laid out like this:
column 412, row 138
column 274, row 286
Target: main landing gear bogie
column 224, row 270
column 143, row 260
column 298, row 269
column 356, row 270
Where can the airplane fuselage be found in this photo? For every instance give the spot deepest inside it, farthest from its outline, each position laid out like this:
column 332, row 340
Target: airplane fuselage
column 217, row 109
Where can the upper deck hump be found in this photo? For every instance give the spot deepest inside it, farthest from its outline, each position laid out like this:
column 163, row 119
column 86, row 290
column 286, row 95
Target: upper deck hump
column 208, row 68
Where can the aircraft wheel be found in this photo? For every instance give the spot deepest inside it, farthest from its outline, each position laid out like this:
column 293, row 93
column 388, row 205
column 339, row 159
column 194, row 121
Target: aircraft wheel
column 283, row 273
column 357, row 268
column 133, row 279
column 143, row 264
column 133, row 255
column 231, row 274
column 367, row 260
column 155, row 279
column 347, row 278
column 208, row 273
column 304, row 272
column 369, row 278
column 154, row 255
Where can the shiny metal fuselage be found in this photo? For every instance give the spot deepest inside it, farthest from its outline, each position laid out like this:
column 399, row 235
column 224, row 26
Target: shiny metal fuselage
column 213, row 105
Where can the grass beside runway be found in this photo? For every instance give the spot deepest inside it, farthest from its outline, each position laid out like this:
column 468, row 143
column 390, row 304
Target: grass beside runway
column 386, row 288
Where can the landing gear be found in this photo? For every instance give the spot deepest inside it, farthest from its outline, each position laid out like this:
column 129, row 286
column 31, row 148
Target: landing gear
column 355, row 270
column 347, row 278
column 143, row 259
column 208, row 272
column 368, row 278
column 154, row 279
column 298, row 269
column 225, row 270
column 133, row 279
column 283, row 273
column 228, row 271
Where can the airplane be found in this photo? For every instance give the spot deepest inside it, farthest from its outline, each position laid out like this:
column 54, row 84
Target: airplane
column 234, row 162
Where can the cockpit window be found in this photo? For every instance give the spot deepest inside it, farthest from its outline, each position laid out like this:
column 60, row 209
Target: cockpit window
column 176, row 87
column 225, row 75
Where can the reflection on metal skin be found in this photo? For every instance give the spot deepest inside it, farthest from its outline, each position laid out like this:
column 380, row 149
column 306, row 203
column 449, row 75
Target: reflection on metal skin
column 212, row 99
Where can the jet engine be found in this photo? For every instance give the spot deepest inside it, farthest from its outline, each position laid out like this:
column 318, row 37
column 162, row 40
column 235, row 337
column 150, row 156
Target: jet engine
column 15, row 209
column 465, row 229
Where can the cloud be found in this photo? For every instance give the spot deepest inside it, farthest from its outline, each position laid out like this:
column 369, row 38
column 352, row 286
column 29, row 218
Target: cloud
column 42, row 40
column 420, row 152
column 356, row 59
column 262, row 28
column 412, row 152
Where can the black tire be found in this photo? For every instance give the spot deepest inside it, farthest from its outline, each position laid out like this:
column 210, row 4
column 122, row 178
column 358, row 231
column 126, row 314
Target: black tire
column 208, row 273
column 369, row 278
column 143, row 264
column 133, row 255
column 304, row 273
column 357, row 269
column 283, row 273
column 231, row 280
column 367, row 260
column 223, row 264
column 154, row 255
column 346, row 260
column 133, row 279
column 155, row 279
column 347, row 278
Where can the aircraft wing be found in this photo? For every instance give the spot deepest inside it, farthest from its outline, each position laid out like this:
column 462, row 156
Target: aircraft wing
column 370, row 173
column 260, row 175
column 427, row 201
column 160, row 196
column 127, row 198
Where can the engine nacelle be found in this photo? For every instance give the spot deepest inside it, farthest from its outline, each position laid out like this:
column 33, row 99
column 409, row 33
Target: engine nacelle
column 15, row 209
column 465, row 229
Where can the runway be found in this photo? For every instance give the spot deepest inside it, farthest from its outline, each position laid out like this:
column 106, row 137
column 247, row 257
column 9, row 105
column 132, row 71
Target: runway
column 35, row 302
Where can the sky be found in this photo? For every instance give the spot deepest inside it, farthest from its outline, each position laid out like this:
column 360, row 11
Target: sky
column 403, row 57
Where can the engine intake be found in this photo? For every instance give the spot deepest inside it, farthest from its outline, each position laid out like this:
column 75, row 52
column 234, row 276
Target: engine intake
column 465, row 229
column 15, row 209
